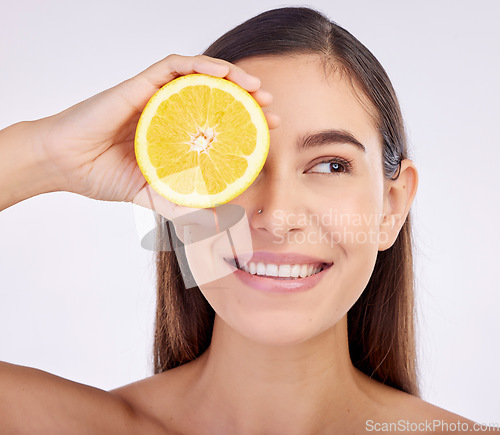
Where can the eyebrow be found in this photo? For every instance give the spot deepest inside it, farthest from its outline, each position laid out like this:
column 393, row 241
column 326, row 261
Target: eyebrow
column 327, row 137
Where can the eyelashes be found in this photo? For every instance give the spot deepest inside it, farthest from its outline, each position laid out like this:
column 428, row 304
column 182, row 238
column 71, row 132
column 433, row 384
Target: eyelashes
column 338, row 165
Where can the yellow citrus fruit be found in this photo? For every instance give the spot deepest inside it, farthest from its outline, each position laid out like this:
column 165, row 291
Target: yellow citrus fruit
column 201, row 141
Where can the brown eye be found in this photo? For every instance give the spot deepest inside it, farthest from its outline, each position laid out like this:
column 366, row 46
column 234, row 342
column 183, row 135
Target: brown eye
column 335, row 165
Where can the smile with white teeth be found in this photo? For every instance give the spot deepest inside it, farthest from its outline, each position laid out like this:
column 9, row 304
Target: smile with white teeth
column 283, row 271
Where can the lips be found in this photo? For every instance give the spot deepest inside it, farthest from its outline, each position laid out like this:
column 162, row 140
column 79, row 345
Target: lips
column 280, row 284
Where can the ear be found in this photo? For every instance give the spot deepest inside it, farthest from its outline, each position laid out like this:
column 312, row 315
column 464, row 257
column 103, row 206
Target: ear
column 398, row 197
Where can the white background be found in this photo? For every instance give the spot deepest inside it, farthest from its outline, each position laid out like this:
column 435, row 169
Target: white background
column 76, row 289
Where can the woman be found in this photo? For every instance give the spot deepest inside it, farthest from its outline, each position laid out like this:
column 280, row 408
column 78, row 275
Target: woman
column 241, row 354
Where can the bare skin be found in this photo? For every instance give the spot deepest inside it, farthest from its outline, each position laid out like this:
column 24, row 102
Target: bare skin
column 281, row 364
column 174, row 399
column 271, row 368
column 88, row 149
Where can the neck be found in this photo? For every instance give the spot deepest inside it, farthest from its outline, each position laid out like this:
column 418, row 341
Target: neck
column 265, row 388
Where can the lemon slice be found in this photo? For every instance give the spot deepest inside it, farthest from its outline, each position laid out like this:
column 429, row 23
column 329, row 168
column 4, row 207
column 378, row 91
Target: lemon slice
column 201, row 141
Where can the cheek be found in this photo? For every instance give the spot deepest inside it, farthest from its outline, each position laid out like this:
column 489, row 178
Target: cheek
column 353, row 236
column 351, row 216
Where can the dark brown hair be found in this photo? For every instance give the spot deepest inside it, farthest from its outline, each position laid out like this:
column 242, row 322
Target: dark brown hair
column 381, row 322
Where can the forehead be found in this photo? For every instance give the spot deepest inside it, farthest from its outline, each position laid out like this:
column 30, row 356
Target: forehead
column 309, row 96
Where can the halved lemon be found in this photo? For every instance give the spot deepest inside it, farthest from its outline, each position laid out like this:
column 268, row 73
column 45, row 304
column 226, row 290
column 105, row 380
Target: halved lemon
column 201, row 141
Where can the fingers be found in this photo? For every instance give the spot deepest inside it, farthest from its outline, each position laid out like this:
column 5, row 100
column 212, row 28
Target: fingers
column 273, row 121
column 233, row 72
column 262, row 97
column 176, row 65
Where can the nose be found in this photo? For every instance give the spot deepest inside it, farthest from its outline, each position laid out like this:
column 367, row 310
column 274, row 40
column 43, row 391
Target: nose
column 277, row 195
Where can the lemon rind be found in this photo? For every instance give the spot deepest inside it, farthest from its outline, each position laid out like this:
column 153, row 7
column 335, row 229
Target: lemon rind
column 234, row 189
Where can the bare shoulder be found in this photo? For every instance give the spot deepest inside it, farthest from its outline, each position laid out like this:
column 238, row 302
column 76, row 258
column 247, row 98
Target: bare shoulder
column 415, row 414
column 38, row 403
column 417, row 408
column 159, row 397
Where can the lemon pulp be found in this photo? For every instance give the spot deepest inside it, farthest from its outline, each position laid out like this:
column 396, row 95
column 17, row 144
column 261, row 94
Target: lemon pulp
column 201, row 141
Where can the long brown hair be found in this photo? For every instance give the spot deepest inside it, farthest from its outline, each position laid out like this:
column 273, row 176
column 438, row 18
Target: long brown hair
column 381, row 322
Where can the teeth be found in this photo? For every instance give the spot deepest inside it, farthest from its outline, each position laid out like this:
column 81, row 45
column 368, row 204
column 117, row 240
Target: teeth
column 261, row 269
column 303, row 271
column 295, row 270
column 283, row 270
column 271, row 269
column 253, row 268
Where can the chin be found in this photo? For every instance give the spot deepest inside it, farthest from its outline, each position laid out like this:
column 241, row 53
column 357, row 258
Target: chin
column 283, row 329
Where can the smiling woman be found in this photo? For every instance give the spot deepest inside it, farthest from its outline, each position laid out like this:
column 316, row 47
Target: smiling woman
column 324, row 312
column 312, row 331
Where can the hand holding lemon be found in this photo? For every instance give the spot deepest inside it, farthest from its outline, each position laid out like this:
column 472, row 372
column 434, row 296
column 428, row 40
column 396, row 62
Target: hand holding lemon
column 88, row 149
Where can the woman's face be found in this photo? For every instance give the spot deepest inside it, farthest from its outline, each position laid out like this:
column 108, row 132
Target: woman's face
column 328, row 211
